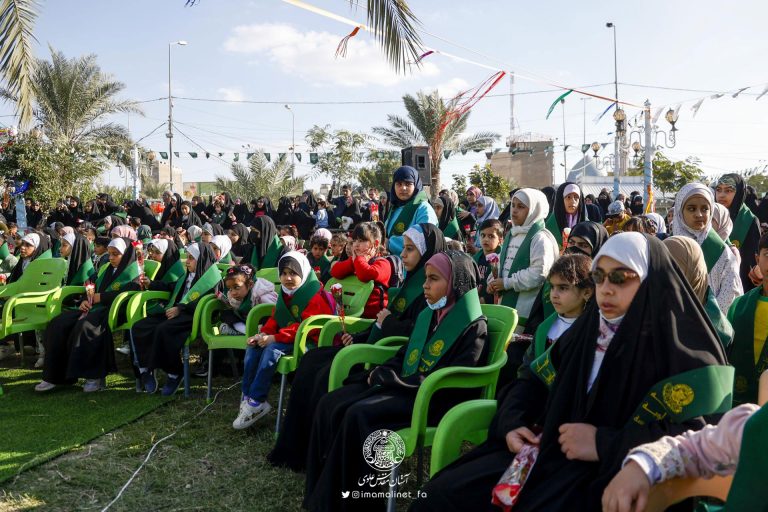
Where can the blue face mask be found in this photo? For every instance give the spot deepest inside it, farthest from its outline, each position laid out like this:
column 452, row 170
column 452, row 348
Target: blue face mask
column 440, row 304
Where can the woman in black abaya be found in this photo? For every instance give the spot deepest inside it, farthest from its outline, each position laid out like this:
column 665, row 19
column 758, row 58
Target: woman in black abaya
column 451, row 332
column 311, row 381
column 82, row 347
column 605, row 366
column 264, row 248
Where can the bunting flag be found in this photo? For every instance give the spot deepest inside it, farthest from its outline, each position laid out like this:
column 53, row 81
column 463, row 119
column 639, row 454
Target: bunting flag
column 558, row 100
column 488, row 155
column 193, row 154
column 248, row 156
column 175, row 153
column 584, row 147
column 736, row 94
column 657, row 114
column 281, row 156
column 765, row 91
column 341, row 49
column 313, row 158
column 207, row 155
column 446, row 153
column 716, row 96
column 696, row 106
column 236, row 158
column 298, row 156
column 268, row 156
column 164, row 155
column 598, row 118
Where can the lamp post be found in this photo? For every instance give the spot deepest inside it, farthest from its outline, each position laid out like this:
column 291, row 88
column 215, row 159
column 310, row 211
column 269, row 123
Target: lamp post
column 170, row 110
column 293, row 137
column 616, row 142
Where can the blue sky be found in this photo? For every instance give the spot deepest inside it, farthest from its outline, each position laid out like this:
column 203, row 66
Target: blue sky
column 268, row 50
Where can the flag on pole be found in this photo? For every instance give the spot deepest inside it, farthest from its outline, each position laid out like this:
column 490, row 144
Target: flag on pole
column 558, row 100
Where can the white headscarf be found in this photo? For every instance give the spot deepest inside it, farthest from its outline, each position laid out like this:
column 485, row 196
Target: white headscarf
column 416, row 234
column 70, row 238
column 630, row 249
column 721, row 221
column 304, row 265
column 194, row 231
column 323, row 233
column 161, row 244
column 119, row 244
column 32, row 239
column 491, row 209
column 658, row 221
column 538, row 208
column 207, row 228
column 193, row 250
column 679, row 227
column 223, row 243
column 289, row 242
column 571, row 188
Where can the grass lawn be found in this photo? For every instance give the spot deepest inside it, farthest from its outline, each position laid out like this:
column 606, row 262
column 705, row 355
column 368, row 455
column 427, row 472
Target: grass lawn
column 207, row 466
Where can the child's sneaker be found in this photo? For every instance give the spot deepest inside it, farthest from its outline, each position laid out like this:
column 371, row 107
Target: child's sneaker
column 92, row 385
column 44, row 386
column 249, row 414
column 172, row 384
column 149, row 382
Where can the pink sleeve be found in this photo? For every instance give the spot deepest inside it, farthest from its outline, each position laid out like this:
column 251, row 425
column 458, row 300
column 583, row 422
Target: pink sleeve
column 713, row 450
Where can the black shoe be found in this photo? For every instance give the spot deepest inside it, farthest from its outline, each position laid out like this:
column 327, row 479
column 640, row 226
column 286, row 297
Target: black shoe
column 201, row 371
column 149, row 382
column 172, row 385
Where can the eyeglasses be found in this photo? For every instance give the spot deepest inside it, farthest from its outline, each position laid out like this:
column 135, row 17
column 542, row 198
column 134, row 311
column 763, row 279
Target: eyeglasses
column 618, row 277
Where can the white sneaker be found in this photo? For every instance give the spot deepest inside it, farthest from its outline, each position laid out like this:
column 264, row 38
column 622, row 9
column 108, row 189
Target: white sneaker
column 44, row 386
column 249, row 414
column 7, row 351
column 40, row 362
column 125, row 349
column 92, row 385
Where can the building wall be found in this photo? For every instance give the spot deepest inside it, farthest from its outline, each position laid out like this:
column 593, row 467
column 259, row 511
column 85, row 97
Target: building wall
column 526, row 169
column 161, row 173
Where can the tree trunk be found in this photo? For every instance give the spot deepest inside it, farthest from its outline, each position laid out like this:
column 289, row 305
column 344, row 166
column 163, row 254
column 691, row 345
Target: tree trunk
column 436, row 156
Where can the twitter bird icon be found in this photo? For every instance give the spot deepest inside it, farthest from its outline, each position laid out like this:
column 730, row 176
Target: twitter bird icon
column 345, row 494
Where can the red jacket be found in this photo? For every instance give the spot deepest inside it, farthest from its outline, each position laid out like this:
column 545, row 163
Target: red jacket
column 317, row 305
column 377, row 270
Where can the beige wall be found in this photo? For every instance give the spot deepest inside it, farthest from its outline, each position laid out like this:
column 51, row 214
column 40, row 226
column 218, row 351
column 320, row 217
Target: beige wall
column 526, row 170
column 161, row 174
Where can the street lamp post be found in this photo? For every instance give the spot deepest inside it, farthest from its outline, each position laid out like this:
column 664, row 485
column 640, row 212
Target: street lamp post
column 616, row 142
column 170, row 110
column 293, row 137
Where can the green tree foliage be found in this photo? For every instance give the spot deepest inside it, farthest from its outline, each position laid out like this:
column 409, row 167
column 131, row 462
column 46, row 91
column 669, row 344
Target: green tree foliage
column 261, row 178
column 486, row 180
column 17, row 60
column 760, row 182
column 54, row 170
column 340, row 152
column 378, row 173
column 670, row 176
column 422, row 127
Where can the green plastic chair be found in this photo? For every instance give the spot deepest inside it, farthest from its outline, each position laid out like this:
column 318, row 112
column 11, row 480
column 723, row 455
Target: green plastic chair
column 151, row 268
column 25, row 307
column 137, row 310
column 468, row 421
column 502, row 321
column 209, row 331
column 355, row 294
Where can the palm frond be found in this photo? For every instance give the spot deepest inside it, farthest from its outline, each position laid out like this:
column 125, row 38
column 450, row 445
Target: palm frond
column 394, row 25
column 476, row 141
column 17, row 61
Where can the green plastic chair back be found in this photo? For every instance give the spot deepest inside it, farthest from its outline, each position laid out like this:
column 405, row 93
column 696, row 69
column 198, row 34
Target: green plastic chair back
column 39, row 276
column 151, row 268
column 270, row 274
column 355, row 294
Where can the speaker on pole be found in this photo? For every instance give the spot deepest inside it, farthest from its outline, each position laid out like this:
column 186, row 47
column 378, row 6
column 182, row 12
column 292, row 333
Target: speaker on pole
column 418, row 158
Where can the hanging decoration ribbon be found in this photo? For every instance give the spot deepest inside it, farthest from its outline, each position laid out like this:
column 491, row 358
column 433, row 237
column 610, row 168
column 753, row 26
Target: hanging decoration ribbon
column 598, row 118
column 736, row 94
column 558, row 100
column 341, row 50
column 422, row 57
column 696, row 106
column 765, row 91
column 464, row 101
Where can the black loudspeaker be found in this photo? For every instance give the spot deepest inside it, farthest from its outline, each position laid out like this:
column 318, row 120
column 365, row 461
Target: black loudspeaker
column 418, row 158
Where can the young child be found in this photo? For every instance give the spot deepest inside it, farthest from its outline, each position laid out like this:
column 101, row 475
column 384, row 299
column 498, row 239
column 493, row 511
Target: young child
column 338, row 244
column 100, row 255
column 749, row 317
column 243, row 290
column 366, row 265
column 491, row 233
column 7, row 259
column 321, row 215
column 318, row 247
column 301, row 296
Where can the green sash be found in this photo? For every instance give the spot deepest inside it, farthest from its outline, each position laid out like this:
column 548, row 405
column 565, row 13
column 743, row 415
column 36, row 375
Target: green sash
column 741, row 225
column 745, row 493
column 299, row 301
column 699, row 392
column 245, row 307
column 227, row 258
column 542, row 365
column 83, row 273
column 323, row 263
column 452, row 229
column 129, row 274
column 176, row 272
column 712, row 247
column 721, row 323
column 522, row 260
column 270, row 258
column 207, row 281
column 4, row 252
column 742, row 355
column 464, row 312
column 398, row 226
column 553, row 228
column 405, row 296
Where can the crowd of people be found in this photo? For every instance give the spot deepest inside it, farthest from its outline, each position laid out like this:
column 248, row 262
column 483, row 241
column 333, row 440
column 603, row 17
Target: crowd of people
column 635, row 330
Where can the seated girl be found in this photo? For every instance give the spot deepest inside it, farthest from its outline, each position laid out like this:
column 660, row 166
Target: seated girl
column 569, row 209
column 367, row 266
column 33, row 246
column 238, row 234
column 264, row 247
column 410, row 205
column 221, row 245
column 526, row 255
column 301, row 297
column 243, row 291
column 78, row 344
column 166, row 253
column 158, row 339
column 310, row 384
column 76, row 250
column 648, row 334
column 450, row 332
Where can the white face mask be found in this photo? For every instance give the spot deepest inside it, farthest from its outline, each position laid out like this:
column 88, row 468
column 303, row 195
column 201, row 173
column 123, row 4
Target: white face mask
column 440, row 304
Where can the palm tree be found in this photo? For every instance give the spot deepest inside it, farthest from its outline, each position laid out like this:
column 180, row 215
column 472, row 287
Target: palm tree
column 17, row 62
column 261, row 178
column 73, row 96
column 426, row 113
